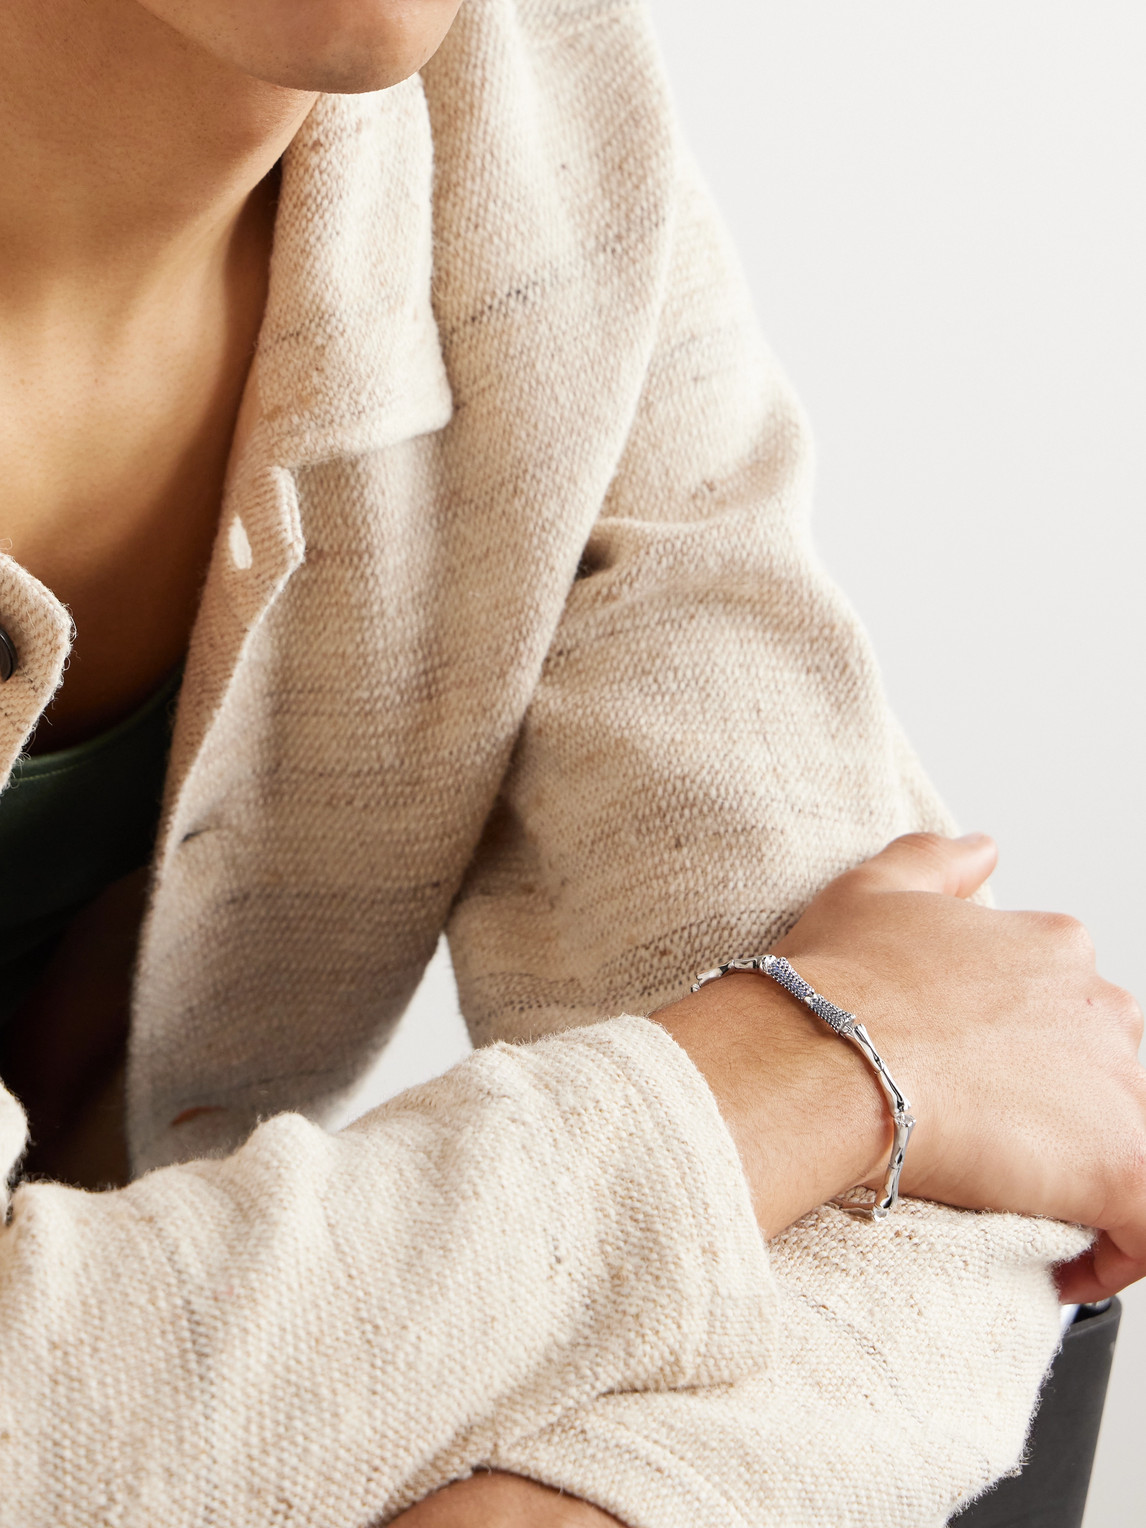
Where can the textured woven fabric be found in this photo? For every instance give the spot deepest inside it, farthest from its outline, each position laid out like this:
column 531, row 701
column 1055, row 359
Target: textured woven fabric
column 513, row 625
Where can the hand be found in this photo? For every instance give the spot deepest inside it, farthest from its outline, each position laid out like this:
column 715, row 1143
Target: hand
column 497, row 1500
column 1019, row 1060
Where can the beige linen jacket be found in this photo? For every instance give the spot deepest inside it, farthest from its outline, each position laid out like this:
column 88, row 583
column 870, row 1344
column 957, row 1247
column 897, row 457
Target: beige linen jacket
column 513, row 626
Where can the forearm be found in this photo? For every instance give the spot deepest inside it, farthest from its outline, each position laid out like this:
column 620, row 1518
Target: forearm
column 497, row 1500
column 543, row 1225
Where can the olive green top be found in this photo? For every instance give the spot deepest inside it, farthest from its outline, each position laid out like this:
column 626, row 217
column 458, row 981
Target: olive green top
column 71, row 822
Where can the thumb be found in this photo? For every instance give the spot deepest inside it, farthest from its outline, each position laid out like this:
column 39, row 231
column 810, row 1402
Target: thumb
column 956, row 867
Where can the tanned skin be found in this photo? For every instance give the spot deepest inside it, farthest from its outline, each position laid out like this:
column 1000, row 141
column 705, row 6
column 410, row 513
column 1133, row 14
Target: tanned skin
column 139, row 140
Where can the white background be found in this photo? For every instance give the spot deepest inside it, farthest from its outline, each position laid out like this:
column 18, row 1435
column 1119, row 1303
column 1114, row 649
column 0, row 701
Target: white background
column 940, row 207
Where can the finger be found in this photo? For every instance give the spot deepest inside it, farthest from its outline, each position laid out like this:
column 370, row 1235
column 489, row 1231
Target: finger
column 1103, row 1270
column 929, row 862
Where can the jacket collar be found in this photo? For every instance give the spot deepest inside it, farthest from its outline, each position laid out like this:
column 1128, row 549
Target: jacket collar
column 40, row 629
column 348, row 362
column 348, row 358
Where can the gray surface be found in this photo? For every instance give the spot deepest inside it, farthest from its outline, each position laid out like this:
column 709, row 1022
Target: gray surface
column 941, row 211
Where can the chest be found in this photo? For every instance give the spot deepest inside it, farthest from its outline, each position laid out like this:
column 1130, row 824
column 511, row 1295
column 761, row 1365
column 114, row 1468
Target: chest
column 386, row 575
column 117, row 411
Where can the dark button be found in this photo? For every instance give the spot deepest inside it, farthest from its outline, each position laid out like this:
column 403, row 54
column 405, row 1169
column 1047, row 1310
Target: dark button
column 7, row 656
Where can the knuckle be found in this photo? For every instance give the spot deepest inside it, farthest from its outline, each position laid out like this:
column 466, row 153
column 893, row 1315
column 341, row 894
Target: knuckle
column 852, row 883
column 1066, row 931
column 1126, row 1010
column 1131, row 1174
column 1124, row 1160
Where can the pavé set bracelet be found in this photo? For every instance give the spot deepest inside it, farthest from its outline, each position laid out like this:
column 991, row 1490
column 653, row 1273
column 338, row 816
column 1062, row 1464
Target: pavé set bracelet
column 847, row 1027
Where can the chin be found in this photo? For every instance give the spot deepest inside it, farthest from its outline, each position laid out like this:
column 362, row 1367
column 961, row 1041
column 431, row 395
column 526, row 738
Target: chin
column 337, row 46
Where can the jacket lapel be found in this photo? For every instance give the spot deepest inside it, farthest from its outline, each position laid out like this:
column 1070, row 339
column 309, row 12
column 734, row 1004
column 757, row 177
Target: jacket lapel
column 39, row 629
column 348, row 363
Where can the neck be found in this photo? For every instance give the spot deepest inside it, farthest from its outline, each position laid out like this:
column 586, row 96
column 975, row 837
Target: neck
column 136, row 218
column 129, row 153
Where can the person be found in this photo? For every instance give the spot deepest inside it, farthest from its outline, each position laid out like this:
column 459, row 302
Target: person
column 378, row 379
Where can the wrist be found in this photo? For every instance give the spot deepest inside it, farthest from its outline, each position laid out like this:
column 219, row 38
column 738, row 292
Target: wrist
column 803, row 1108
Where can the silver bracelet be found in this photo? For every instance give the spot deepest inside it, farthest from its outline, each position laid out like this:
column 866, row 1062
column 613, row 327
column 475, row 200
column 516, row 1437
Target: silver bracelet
column 848, row 1028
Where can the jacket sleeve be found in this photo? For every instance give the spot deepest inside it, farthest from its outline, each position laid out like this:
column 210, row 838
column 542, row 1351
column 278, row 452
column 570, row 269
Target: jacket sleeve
column 906, row 1363
column 707, row 745
column 323, row 1328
